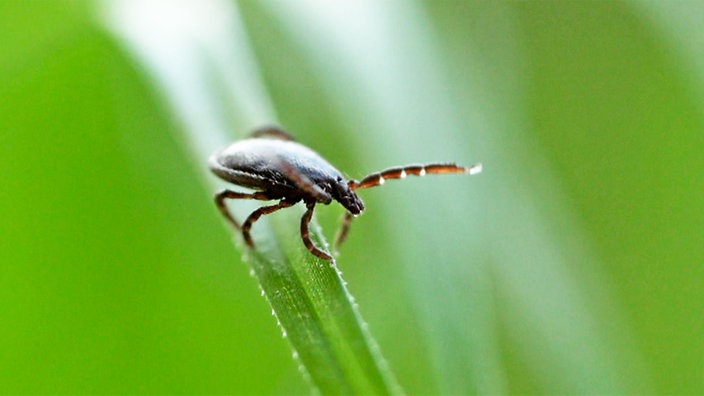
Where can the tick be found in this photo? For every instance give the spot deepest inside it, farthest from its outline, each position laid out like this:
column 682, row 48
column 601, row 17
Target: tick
column 276, row 167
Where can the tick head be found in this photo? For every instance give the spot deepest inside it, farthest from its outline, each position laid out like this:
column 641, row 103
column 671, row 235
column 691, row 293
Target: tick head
column 343, row 194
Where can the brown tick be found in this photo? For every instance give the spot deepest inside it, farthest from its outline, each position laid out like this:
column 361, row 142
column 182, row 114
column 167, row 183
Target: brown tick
column 273, row 164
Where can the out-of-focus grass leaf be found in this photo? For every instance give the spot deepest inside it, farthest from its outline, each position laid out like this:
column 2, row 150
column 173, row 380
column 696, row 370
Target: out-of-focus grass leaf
column 104, row 289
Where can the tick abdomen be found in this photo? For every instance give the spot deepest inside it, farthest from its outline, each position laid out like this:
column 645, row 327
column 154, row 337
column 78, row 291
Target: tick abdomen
column 259, row 163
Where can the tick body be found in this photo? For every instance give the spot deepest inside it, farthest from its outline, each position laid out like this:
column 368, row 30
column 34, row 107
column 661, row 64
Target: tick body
column 276, row 167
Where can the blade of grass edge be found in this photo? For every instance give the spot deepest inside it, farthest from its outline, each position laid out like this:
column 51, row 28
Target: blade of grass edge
column 318, row 314
column 182, row 51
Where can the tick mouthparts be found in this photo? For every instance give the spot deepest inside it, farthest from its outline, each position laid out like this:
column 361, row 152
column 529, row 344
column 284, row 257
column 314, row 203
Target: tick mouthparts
column 353, row 204
column 355, row 209
column 474, row 169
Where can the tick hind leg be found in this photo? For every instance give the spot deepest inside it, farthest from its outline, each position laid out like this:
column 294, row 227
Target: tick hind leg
column 305, row 234
column 228, row 194
column 264, row 210
column 254, row 216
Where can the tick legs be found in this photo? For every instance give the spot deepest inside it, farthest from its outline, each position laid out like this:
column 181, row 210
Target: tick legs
column 399, row 172
column 305, row 235
column 344, row 230
column 227, row 194
column 259, row 213
column 265, row 210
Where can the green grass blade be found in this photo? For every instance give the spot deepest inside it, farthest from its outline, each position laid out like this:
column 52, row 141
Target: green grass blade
column 317, row 314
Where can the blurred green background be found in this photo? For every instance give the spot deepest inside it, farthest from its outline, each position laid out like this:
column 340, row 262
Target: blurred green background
column 572, row 264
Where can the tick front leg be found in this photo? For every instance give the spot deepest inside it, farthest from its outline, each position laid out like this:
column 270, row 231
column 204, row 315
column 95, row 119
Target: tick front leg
column 344, row 230
column 400, row 172
column 264, row 210
column 228, row 194
column 305, row 234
